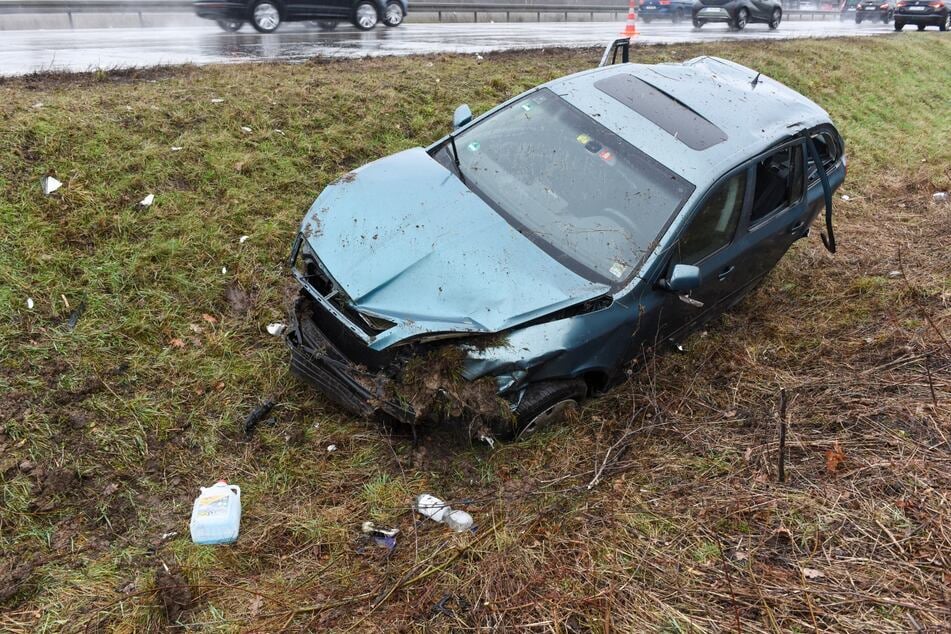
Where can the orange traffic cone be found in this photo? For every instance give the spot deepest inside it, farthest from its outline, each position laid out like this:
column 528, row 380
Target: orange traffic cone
column 630, row 30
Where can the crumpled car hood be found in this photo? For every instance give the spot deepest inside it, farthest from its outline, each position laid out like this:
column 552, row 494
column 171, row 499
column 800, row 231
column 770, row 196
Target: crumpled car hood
column 406, row 240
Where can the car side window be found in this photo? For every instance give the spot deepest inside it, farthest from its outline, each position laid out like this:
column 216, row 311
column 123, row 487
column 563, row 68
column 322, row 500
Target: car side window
column 713, row 227
column 778, row 182
column 828, row 151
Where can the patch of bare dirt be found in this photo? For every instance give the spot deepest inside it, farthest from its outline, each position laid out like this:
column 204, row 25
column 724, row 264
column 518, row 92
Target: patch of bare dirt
column 172, row 591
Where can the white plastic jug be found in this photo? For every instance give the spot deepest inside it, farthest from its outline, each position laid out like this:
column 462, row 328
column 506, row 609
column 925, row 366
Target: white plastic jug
column 216, row 516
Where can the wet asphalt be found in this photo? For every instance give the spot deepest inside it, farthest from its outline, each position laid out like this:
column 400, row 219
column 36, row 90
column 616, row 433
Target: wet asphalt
column 23, row 52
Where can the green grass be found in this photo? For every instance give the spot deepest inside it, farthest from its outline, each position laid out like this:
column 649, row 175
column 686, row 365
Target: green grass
column 125, row 416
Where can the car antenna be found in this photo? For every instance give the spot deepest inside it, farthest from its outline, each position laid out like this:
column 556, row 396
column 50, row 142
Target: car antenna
column 755, row 80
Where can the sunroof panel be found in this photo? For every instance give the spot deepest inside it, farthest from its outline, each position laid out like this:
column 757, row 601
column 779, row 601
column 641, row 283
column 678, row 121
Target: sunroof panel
column 663, row 110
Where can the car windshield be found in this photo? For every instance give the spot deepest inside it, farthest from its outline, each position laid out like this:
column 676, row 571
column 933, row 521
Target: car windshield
column 590, row 199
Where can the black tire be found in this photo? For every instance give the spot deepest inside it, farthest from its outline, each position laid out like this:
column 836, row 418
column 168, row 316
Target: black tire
column 776, row 18
column 678, row 16
column 394, row 14
column 899, row 25
column 921, row 27
column 887, row 17
column 858, row 19
column 742, row 19
column 265, row 16
column 697, row 23
column 646, row 20
column 230, row 26
column 946, row 25
column 362, row 16
column 543, row 404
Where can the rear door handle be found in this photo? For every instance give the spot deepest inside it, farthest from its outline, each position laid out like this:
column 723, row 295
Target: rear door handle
column 725, row 273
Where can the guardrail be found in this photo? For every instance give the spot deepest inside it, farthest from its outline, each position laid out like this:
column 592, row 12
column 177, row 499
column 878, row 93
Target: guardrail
column 69, row 7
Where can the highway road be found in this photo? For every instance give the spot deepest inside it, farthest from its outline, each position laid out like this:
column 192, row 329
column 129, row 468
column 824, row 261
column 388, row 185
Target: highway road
column 24, row 52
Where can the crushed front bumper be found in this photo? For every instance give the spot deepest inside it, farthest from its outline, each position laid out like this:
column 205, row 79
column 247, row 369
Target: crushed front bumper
column 316, row 360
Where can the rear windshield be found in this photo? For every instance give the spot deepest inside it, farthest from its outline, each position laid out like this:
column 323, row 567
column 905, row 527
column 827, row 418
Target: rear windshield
column 590, row 199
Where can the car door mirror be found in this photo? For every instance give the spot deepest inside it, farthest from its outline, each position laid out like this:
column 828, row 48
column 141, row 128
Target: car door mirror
column 684, row 278
column 461, row 116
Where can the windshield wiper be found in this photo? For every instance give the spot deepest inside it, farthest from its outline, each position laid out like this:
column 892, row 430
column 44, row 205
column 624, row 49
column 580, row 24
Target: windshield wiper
column 455, row 157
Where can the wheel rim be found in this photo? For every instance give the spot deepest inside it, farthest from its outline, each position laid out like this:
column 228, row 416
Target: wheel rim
column 551, row 415
column 777, row 16
column 267, row 16
column 366, row 16
column 394, row 14
column 741, row 18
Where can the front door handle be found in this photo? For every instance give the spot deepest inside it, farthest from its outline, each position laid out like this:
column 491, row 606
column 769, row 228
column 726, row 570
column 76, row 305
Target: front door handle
column 725, row 273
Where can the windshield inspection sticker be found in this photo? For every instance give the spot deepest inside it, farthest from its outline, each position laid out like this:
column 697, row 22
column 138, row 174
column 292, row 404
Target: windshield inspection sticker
column 474, row 146
column 583, row 139
column 617, row 270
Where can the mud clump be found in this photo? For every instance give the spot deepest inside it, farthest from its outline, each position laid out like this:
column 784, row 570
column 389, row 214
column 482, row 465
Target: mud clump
column 173, row 592
column 13, row 574
column 51, row 483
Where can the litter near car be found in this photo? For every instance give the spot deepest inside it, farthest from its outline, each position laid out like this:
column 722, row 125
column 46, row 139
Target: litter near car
column 224, row 270
column 216, row 514
column 679, row 186
column 29, row 303
column 217, row 100
column 276, row 329
column 176, row 148
column 846, row 197
column 246, row 129
column 147, row 201
column 243, row 239
column 435, row 509
column 50, row 185
column 74, row 316
column 940, row 197
column 257, row 415
column 331, row 448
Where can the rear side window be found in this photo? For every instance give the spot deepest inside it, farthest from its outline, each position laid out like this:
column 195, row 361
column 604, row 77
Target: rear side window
column 778, row 182
column 828, row 150
column 713, row 227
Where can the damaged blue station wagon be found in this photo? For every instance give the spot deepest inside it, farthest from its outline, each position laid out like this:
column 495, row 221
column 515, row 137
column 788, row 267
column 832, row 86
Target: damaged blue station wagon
column 524, row 261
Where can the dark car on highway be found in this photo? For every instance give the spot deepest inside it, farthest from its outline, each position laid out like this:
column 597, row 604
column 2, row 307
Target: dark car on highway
column 527, row 259
column 267, row 15
column 738, row 13
column 877, row 10
column 675, row 10
column 923, row 13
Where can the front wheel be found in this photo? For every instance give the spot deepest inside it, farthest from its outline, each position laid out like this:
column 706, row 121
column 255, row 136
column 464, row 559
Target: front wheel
column 776, row 18
column 899, row 25
column 742, row 17
column 394, row 14
column 230, row 26
column 697, row 23
column 365, row 17
column 543, row 404
column 265, row 17
column 946, row 25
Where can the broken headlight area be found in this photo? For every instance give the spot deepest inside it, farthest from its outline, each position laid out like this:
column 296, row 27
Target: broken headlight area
column 411, row 383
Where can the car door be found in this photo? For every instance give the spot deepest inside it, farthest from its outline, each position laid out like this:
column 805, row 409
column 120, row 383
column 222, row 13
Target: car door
column 707, row 241
column 777, row 216
column 314, row 9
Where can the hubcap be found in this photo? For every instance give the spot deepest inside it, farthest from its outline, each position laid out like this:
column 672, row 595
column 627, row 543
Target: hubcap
column 741, row 18
column 551, row 415
column 394, row 14
column 366, row 16
column 267, row 16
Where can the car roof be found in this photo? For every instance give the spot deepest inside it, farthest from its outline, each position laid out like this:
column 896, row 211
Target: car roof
column 752, row 115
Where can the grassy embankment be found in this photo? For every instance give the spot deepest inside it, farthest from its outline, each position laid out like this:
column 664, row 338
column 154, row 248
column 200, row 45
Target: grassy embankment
column 109, row 428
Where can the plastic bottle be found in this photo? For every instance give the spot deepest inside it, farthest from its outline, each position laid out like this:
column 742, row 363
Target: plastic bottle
column 216, row 516
column 438, row 511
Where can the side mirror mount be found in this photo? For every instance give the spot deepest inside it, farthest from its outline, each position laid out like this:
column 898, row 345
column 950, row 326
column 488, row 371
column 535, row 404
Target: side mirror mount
column 683, row 279
column 461, row 116
column 621, row 45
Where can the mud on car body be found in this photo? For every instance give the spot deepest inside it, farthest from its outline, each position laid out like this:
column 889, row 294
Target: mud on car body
column 522, row 262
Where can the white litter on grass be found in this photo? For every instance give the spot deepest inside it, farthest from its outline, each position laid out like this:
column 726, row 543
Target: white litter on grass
column 245, row 129
column 147, row 201
column 276, row 329
column 217, row 100
column 846, row 197
column 894, row 274
column 38, row 105
column 29, row 303
column 224, row 270
column 940, row 197
column 50, row 185
column 479, row 56
column 243, row 239
column 176, row 148
column 331, row 448
column 281, row 132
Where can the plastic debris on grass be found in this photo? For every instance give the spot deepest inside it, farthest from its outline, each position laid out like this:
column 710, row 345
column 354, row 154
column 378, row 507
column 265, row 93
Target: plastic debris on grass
column 276, row 329
column 147, row 201
column 29, row 303
column 50, row 185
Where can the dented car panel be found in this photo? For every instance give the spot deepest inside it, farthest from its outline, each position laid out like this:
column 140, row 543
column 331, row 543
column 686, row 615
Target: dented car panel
column 716, row 171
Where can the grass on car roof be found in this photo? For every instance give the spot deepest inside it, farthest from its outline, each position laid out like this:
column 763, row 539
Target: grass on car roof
column 656, row 509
